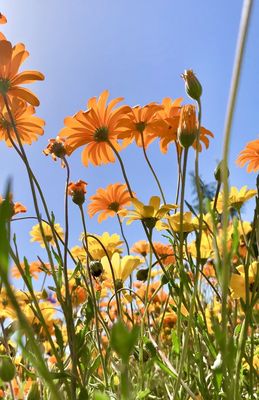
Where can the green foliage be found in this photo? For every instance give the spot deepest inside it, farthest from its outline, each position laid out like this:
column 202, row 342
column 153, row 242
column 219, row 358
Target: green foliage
column 123, row 340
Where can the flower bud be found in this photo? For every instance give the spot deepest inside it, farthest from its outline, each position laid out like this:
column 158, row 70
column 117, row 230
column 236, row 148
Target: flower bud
column 96, row 268
column 188, row 127
column 77, row 191
column 7, row 369
column 142, row 275
column 218, row 172
column 192, row 85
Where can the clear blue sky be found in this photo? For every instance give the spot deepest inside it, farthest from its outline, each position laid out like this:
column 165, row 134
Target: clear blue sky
column 136, row 49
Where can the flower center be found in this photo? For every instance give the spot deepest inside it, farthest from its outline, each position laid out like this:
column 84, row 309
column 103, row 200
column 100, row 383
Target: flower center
column 48, row 238
column 150, row 222
column 140, row 126
column 114, row 206
column 4, row 123
column 101, row 134
column 4, row 85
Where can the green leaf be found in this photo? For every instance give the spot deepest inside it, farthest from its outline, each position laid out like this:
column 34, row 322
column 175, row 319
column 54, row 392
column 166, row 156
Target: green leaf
column 175, row 343
column 122, row 340
column 143, row 394
column 100, row 396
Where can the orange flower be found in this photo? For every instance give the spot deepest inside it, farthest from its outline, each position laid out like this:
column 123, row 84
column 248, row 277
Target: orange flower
column 35, row 268
column 141, row 120
column 169, row 116
column 3, row 19
column 141, row 247
column 58, row 148
column 250, row 155
column 109, row 201
column 16, row 208
column 165, row 252
column 77, row 191
column 166, row 130
column 28, row 125
column 11, row 59
column 97, row 128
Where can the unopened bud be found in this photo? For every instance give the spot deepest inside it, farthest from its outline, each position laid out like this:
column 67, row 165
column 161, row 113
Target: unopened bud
column 192, row 85
column 7, row 369
column 142, row 275
column 218, row 172
column 188, row 127
column 96, row 268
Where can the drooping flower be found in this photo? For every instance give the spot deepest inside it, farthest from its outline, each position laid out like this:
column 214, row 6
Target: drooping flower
column 28, row 126
column 77, row 191
column 236, row 198
column 122, row 267
column 149, row 214
column 141, row 120
column 11, row 58
column 36, row 235
column 96, row 129
column 109, row 201
column 250, row 155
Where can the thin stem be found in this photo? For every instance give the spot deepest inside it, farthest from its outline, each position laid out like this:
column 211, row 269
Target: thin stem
column 94, row 300
column 150, row 166
column 243, row 30
column 122, row 168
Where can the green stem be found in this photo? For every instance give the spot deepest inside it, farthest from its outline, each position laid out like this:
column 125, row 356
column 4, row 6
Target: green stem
column 243, row 29
column 151, row 168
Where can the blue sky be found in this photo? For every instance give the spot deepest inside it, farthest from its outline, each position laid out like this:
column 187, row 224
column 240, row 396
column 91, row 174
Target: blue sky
column 136, row 49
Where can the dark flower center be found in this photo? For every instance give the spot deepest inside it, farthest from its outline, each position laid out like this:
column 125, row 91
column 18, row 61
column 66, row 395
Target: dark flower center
column 150, row 222
column 140, row 126
column 114, row 206
column 101, row 134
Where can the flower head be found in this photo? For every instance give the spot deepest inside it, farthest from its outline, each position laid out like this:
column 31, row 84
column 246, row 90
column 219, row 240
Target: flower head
column 236, row 198
column 77, row 191
column 11, row 59
column 122, row 267
column 250, row 155
column 58, row 148
column 238, row 281
column 15, row 208
column 141, row 121
column 36, row 235
column 97, row 129
column 109, row 201
column 175, row 224
column 28, row 126
column 149, row 214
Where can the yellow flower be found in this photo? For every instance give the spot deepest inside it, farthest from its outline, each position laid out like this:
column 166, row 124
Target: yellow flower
column 236, row 198
column 206, row 247
column 174, row 223
column 238, row 282
column 37, row 237
column 122, row 267
column 112, row 244
column 149, row 214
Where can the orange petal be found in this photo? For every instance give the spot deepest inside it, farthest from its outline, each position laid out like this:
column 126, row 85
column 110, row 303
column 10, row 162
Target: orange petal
column 27, row 77
column 24, row 94
column 5, row 52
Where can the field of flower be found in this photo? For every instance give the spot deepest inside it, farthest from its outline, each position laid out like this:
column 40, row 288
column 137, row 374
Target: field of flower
column 169, row 318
